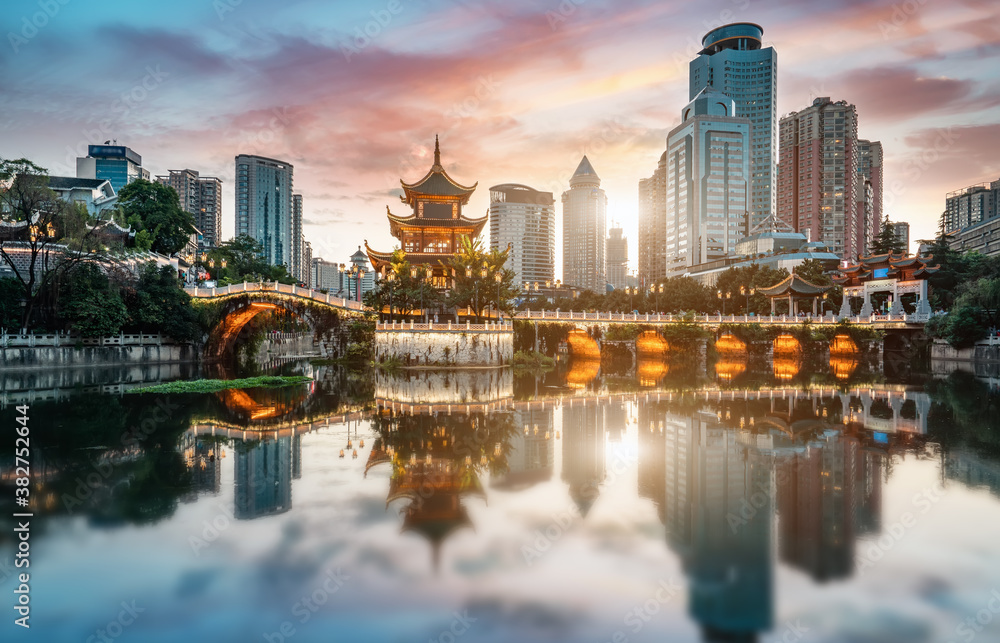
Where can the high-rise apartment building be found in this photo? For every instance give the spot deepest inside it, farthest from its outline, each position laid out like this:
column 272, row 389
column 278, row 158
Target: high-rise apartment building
column 818, row 177
column 971, row 205
column 525, row 219
column 115, row 163
column 298, row 266
column 708, row 175
column 734, row 62
column 617, row 258
column 901, row 230
column 304, row 269
column 202, row 197
column 585, row 208
column 870, row 171
column 652, row 256
column 264, row 205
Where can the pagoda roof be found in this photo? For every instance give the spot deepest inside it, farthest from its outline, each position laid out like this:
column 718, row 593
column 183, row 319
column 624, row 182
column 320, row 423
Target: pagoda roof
column 380, row 259
column 863, row 269
column 436, row 183
column 793, row 284
column 396, row 222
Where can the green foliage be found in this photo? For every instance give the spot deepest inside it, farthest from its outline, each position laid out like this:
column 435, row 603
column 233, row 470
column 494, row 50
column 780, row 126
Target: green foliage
column 475, row 272
column 11, row 294
column 886, row 240
column 212, row 386
column 738, row 281
column 158, row 304
column 155, row 208
column 90, row 304
column 405, row 289
column 244, row 258
column 622, row 332
column 531, row 360
column 961, row 328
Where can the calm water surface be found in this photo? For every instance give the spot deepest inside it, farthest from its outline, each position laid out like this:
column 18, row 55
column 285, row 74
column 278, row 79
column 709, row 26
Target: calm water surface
column 791, row 505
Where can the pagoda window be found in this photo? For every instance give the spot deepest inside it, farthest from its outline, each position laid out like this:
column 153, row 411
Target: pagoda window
column 437, row 244
column 411, row 242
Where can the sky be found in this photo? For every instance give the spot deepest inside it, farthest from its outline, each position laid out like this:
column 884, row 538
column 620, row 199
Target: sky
column 353, row 93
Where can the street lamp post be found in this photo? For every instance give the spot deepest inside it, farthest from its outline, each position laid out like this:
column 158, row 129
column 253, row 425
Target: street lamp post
column 729, row 295
column 498, row 278
column 390, row 277
column 482, row 274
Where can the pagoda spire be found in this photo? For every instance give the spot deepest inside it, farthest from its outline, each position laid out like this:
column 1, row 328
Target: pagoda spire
column 437, row 151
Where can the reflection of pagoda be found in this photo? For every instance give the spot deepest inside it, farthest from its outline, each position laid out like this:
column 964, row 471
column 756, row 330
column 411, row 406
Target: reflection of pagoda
column 431, row 234
column 583, row 452
column 436, row 462
column 203, row 458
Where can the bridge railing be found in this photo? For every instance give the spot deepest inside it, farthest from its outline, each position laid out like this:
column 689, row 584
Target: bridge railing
column 271, row 286
column 445, row 326
column 667, row 318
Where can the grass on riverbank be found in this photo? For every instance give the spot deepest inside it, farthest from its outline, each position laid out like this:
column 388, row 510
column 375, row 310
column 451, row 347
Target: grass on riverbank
column 531, row 360
column 211, row 386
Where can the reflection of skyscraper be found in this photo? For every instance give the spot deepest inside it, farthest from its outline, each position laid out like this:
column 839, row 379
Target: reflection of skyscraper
column 203, row 461
column 652, row 457
column 583, row 452
column 531, row 450
column 264, row 478
column 816, row 503
column 719, row 512
column 615, row 420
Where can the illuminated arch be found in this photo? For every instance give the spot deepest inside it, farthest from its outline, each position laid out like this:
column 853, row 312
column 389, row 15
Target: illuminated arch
column 729, row 344
column 843, row 345
column 650, row 343
column 786, row 344
column 582, row 345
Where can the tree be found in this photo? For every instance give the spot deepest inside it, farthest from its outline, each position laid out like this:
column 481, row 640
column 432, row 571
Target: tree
column 35, row 216
column 157, row 304
column 10, row 303
column 475, row 273
column 154, row 209
column 244, row 257
column 887, row 241
column 90, row 304
column 406, row 290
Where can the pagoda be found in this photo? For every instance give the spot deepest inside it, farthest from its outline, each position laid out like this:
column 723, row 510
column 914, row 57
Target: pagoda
column 432, row 232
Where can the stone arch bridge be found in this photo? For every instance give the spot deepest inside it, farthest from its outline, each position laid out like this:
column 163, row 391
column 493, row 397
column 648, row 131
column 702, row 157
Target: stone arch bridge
column 327, row 315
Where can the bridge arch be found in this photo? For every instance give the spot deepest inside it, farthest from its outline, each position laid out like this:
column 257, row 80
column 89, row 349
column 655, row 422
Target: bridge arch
column 786, row 344
column 730, row 344
column 650, row 343
column 582, row 345
column 236, row 305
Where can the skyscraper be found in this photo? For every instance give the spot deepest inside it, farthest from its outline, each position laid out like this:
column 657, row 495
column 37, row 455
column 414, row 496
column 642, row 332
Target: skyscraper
column 971, row 205
column 870, row 167
column 202, row 197
column 734, row 63
column 585, row 207
column 264, row 205
column 818, row 176
column 901, row 230
column 115, row 163
column 708, row 170
column 526, row 218
column 653, row 225
column 617, row 257
column 297, row 268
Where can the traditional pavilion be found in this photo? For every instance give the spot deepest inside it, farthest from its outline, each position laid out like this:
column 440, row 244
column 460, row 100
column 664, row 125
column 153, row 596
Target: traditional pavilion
column 897, row 274
column 432, row 232
column 796, row 290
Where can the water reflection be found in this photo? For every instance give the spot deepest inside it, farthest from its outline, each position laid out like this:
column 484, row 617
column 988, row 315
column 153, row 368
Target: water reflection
column 742, row 472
